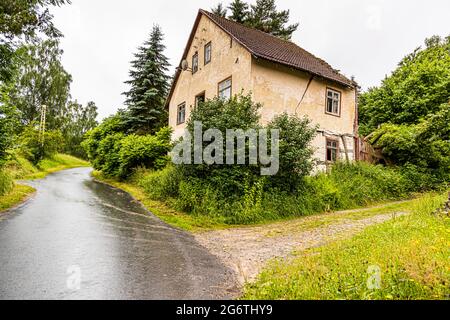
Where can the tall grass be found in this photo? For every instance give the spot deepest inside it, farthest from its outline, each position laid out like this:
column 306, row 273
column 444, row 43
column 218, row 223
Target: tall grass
column 346, row 186
column 405, row 258
column 6, row 182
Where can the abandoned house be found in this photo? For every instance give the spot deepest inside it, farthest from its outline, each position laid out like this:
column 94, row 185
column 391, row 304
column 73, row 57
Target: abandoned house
column 225, row 58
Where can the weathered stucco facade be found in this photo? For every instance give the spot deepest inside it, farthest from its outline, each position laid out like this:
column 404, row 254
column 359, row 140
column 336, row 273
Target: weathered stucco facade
column 277, row 87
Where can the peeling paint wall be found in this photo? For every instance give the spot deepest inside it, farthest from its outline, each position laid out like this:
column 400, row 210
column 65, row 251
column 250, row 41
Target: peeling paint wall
column 228, row 59
column 280, row 89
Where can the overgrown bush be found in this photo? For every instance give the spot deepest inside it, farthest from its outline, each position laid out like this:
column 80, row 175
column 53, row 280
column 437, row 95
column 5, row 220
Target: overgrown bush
column 117, row 154
column 32, row 148
column 296, row 152
column 8, row 123
column 109, row 126
column 241, row 113
column 148, row 151
column 6, row 182
column 345, row 186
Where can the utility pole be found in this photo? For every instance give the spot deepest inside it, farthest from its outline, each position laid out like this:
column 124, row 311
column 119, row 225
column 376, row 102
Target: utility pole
column 42, row 125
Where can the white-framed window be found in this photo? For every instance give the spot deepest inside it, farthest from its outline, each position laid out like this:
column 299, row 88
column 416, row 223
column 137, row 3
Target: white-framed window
column 208, row 51
column 181, row 113
column 333, row 102
column 195, row 63
column 225, row 89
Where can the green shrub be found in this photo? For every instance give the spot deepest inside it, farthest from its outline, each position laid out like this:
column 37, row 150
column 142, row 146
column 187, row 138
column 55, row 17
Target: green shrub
column 6, row 182
column 91, row 142
column 148, row 151
column 162, row 184
column 117, row 154
column 240, row 112
column 108, row 158
column 357, row 184
column 31, row 146
column 8, row 124
column 296, row 152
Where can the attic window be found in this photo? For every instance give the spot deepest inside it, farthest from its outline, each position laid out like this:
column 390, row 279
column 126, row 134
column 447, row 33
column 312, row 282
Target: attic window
column 195, row 63
column 208, row 53
column 333, row 102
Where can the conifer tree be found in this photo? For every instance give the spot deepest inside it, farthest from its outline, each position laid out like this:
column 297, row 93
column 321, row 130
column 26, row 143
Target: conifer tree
column 239, row 11
column 149, row 82
column 265, row 17
column 219, row 10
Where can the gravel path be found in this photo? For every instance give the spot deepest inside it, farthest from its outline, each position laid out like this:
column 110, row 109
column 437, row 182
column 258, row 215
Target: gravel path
column 247, row 250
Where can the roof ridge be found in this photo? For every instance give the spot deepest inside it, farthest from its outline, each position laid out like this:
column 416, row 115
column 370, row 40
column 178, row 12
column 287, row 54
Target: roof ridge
column 288, row 42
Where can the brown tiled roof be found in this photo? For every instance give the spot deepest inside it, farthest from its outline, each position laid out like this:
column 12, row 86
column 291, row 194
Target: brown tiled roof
column 266, row 46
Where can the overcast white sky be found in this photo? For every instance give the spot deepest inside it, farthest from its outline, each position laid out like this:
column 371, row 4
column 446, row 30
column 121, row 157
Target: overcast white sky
column 364, row 38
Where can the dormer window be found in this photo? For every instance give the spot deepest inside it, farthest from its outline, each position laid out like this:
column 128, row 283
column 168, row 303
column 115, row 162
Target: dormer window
column 208, row 53
column 195, row 63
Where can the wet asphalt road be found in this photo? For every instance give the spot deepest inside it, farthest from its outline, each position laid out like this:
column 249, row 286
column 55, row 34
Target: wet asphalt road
column 79, row 239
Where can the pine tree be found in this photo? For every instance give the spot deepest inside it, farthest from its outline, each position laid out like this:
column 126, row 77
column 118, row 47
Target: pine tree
column 265, row 17
column 219, row 10
column 146, row 112
column 239, row 11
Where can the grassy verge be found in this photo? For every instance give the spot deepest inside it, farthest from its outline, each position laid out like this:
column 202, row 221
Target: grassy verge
column 57, row 163
column 410, row 253
column 173, row 217
column 21, row 169
column 18, row 194
column 199, row 223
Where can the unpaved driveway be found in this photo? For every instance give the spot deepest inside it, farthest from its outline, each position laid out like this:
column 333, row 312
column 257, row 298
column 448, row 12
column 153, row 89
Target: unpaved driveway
column 246, row 250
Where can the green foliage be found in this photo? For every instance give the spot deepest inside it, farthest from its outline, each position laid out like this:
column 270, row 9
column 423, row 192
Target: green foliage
column 162, row 184
column 117, row 154
column 415, row 90
column 30, row 144
column 425, row 144
column 219, row 10
column 354, row 185
column 8, row 124
column 411, row 253
column 6, row 182
column 345, row 186
column 239, row 11
column 92, row 139
column 296, row 152
column 147, row 151
column 23, row 20
column 237, row 113
column 82, row 120
column 42, row 80
column 149, row 87
column 263, row 16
